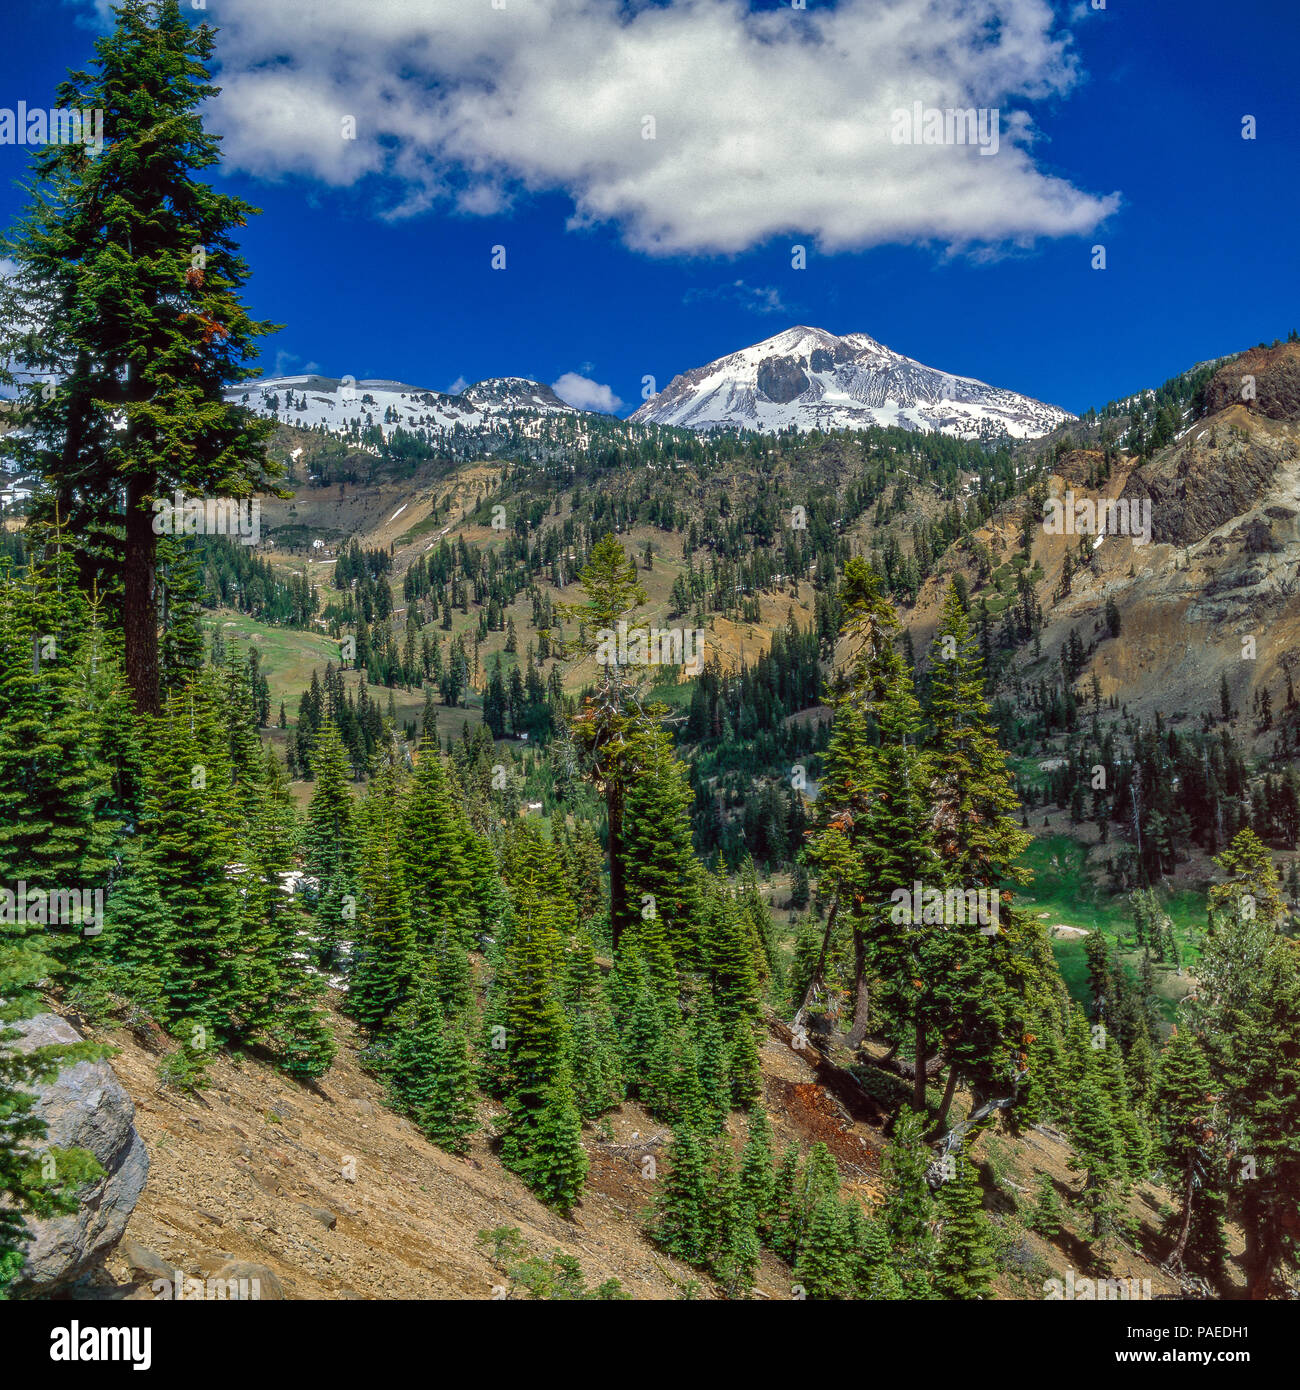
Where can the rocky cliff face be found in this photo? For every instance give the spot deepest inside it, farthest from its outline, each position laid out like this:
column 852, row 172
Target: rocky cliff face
column 1265, row 380
column 1239, row 457
column 84, row 1107
column 1223, row 565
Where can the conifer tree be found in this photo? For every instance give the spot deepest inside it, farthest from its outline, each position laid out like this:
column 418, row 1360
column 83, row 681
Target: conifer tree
column 744, row 1068
column 447, row 1116
column 824, row 1266
column 643, row 1024
column 185, row 828
column 454, row 975
column 908, row 1212
column 1183, row 1098
column 536, row 1032
column 280, row 994
column 659, row 865
column 1247, row 1014
column 712, row 1053
column 681, row 1202
column 608, row 725
column 673, row 1089
column 384, row 956
column 1045, row 1214
column 722, row 1214
column 873, row 1276
column 135, row 297
column 597, row 1079
column 993, row 980
column 429, row 1069
column 757, row 1181
column 729, row 954
column 737, row 1263
column 433, row 845
column 1098, row 1151
column 51, row 784
column 556, row 1165
column 330, row 841
column 785, row 1219
column 138, row 934
column 964, row 1260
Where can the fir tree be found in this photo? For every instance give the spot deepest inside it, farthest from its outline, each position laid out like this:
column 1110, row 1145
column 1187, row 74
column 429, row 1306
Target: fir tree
column 964, row 1260
column 1183, row 1098
column 446, row 1114
column 659, row 866
column 680, row 1216
column 757, row 1181
column 384, row 957
column 151, row 338
column 1045, row 1214
column 185, row 828
column 330, row 843
column 556, row 1165
column 908, row 1210
column 434, row 842
column 824, row 1266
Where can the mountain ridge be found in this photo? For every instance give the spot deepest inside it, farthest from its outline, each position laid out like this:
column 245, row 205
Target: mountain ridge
column 809, row 378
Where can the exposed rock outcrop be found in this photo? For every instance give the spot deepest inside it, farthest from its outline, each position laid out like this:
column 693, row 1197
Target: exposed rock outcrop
column 781, row 379
column 1273, row 389
column 1220, row 471
column 84, row 1107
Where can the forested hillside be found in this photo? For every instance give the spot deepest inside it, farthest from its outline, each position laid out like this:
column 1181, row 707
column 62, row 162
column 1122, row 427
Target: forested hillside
column 590, row 794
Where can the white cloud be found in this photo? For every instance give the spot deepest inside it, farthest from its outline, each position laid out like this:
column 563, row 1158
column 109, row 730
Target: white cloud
column 287, row 364
column 761, row 299
column 585, row 394
column 766, row 124
column 457, row 386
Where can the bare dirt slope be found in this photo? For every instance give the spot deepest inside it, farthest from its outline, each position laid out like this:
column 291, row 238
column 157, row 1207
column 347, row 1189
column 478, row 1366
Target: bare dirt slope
column 341, row 1198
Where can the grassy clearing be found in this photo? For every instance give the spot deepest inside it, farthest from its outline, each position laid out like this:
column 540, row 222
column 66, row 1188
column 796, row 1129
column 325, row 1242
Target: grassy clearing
column 1066, row 891
column 288, row 655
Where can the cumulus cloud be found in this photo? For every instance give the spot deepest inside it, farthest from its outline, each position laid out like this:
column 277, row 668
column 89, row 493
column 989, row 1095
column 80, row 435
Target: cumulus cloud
column 585, row 394
column 764, row 124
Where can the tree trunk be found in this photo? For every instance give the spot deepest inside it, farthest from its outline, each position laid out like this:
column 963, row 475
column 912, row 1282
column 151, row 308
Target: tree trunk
column 918, row 1080
column 617, row 880
column 948, row 1092
column 1262, row 1253
column 819, row 968
column 861, row 994
column 140, row 609
column 1176, row 1259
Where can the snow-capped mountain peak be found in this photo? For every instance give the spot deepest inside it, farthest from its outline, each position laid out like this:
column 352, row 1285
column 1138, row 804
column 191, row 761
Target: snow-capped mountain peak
column 811, row 379
column 337, row 403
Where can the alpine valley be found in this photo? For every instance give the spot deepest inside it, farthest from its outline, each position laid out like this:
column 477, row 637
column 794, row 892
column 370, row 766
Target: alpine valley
column 831, row 836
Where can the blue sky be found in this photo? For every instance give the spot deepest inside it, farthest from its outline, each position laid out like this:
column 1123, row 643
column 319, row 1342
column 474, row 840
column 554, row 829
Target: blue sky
column 628, row 257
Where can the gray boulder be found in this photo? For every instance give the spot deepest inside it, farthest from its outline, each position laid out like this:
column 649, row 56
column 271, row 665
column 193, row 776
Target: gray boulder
column 84, row 1107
